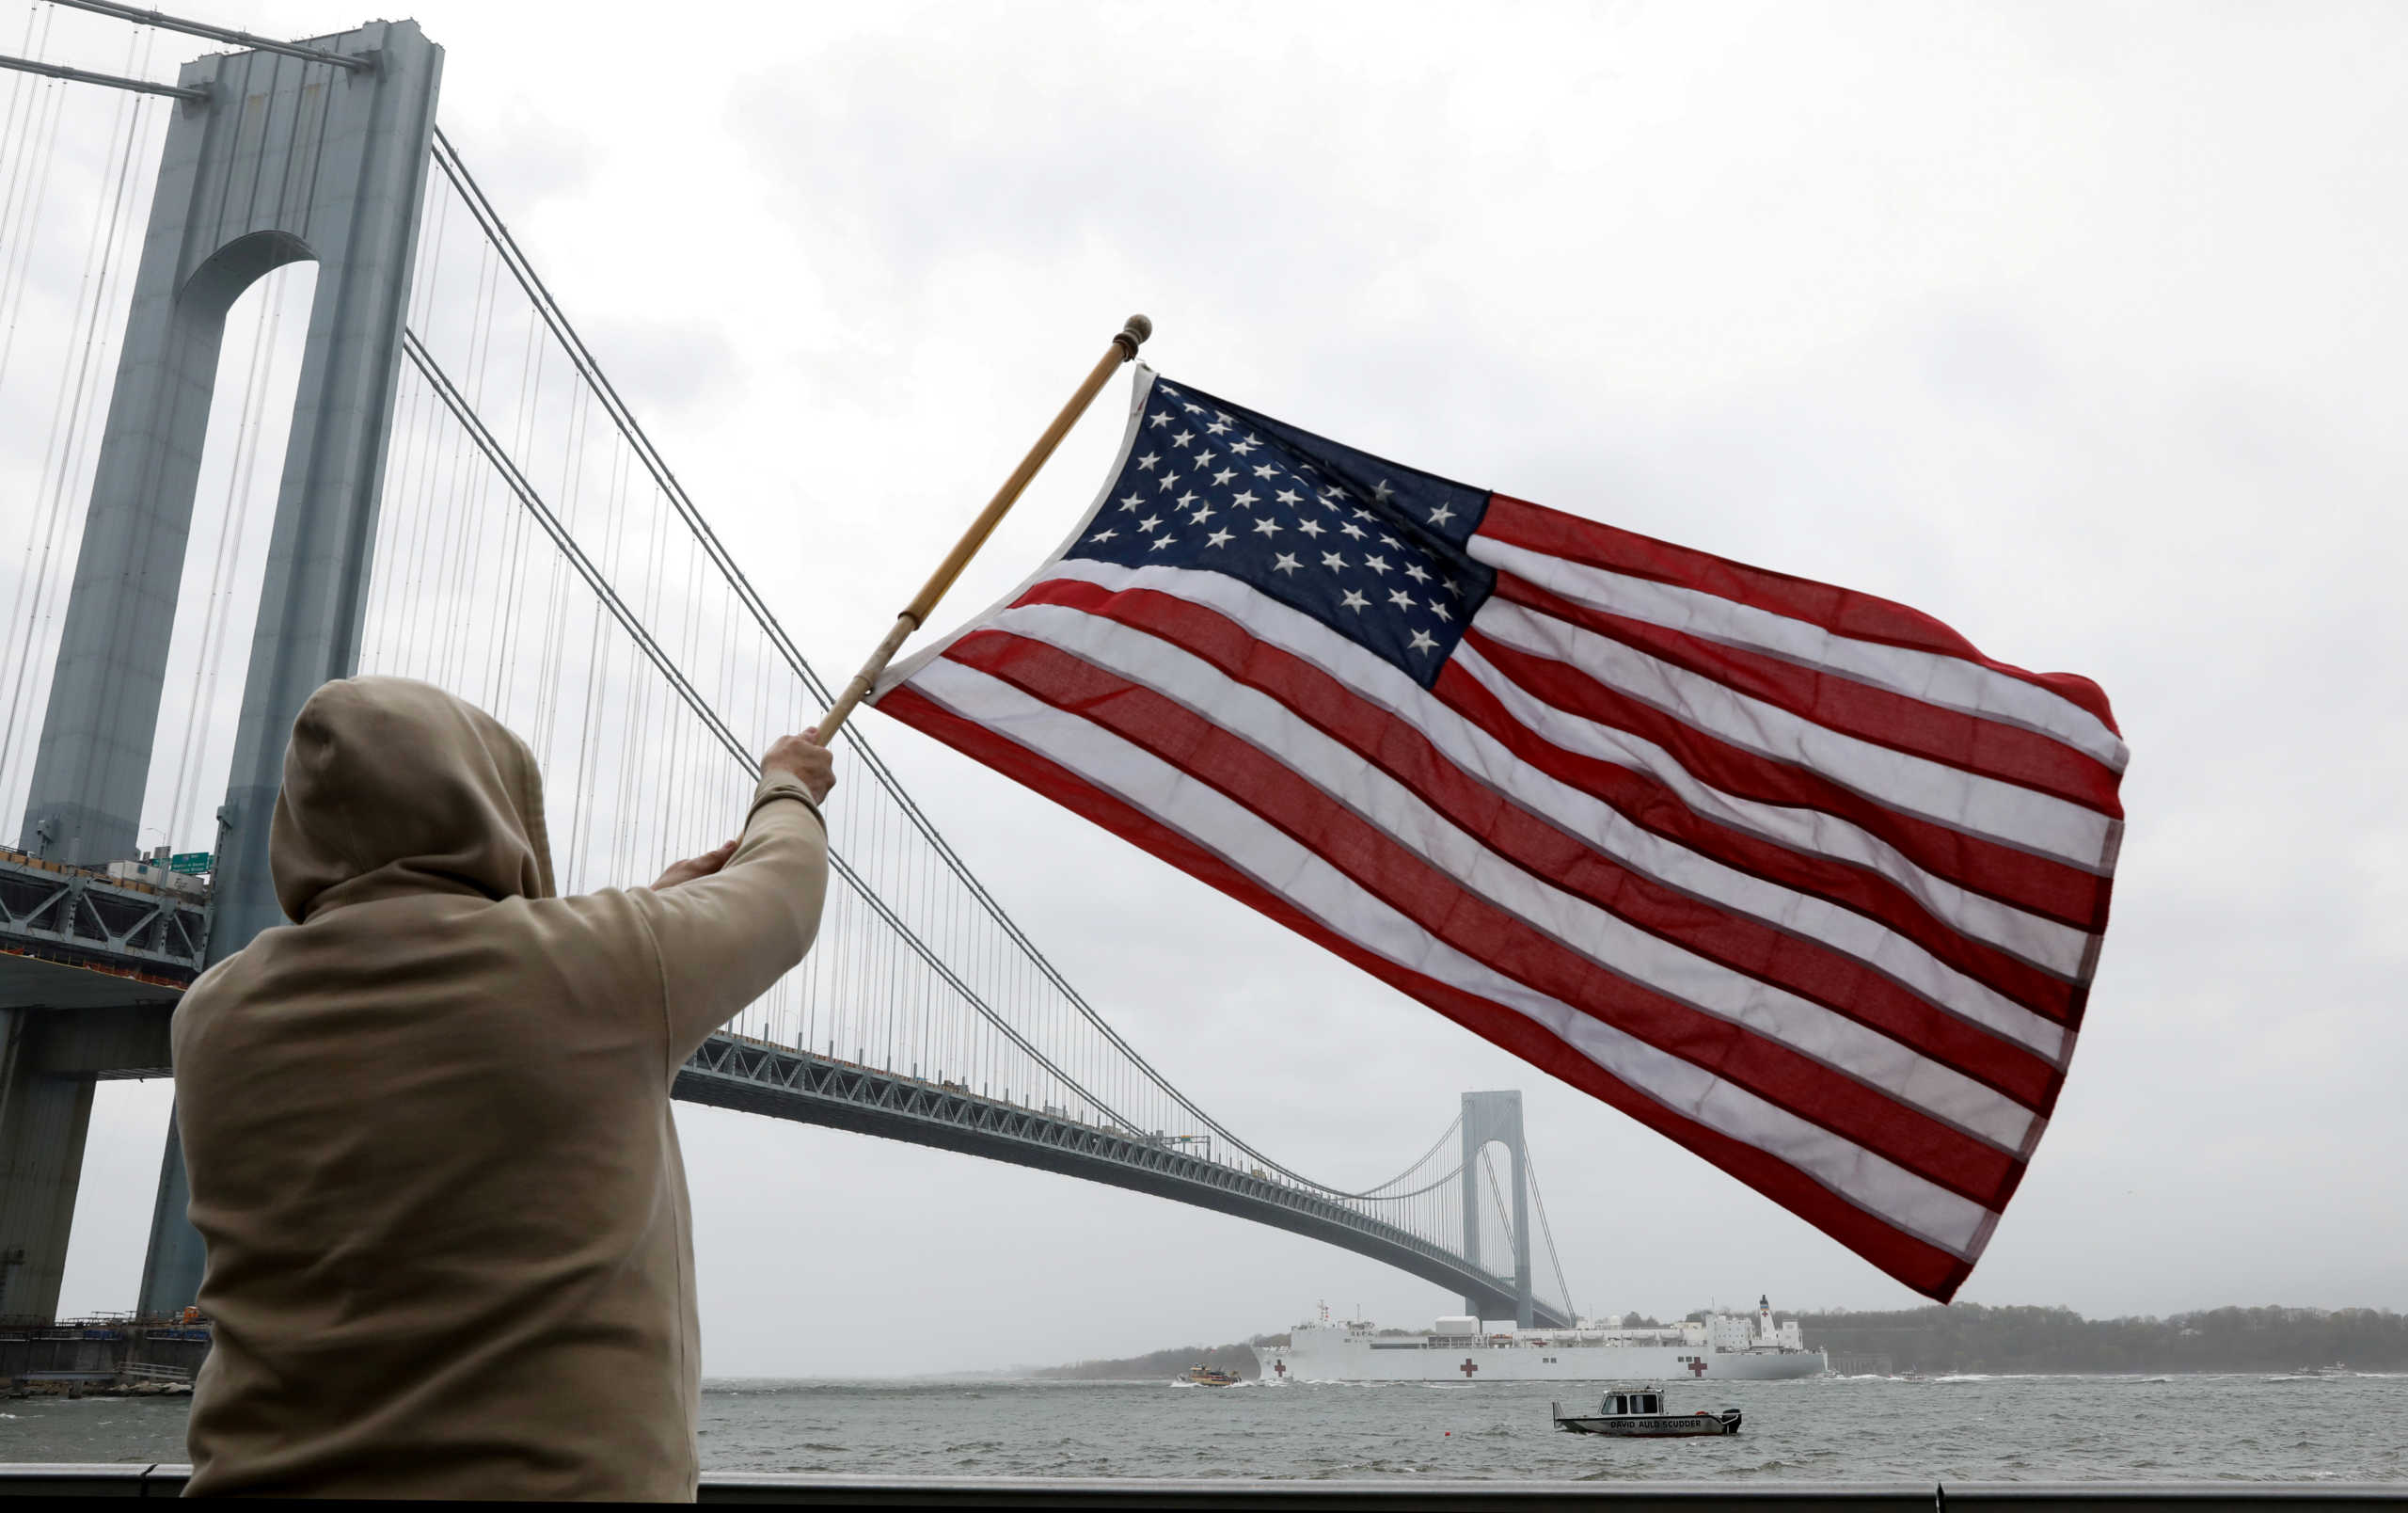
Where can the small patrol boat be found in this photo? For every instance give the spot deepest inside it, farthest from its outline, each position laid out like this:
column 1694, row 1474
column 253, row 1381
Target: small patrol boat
column 1208, row 1377
column 1638, row 1414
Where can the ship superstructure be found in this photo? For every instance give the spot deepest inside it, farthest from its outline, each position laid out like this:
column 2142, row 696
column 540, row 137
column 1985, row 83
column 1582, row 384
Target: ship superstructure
column 1719, row 1348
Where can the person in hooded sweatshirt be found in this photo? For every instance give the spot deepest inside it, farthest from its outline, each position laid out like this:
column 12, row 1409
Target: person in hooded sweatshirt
column 427, row 1124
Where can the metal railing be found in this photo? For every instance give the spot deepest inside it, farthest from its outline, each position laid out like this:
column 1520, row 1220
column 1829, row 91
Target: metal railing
column 151, row 1371
column 163, row 1480
column 84, row 915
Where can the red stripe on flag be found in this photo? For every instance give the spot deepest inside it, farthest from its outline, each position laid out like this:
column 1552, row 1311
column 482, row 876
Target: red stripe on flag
column 1486, row 932
column 1651, row 803
column 1859, row 617
column 1811, row 970
column 2038, row 885
column 1926, row 1267
column 1653, row 807
column 1990, row 748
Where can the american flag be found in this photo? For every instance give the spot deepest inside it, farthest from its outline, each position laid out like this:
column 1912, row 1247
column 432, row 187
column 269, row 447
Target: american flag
column 1792, row 875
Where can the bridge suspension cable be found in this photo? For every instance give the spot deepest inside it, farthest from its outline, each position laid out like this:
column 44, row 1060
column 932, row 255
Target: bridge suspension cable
column 215, row 33
column 448, row 393
column 1420, row 1203
column 80, row 329
column 536, row 554
column 443, row 546
column 114, row 80
column 920, row 900
column 1546, row 1232
column 514, row 260
column 1436, row 1146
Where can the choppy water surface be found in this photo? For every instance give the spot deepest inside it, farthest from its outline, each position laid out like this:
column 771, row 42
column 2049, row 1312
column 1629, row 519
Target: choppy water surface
column 2006, row 1429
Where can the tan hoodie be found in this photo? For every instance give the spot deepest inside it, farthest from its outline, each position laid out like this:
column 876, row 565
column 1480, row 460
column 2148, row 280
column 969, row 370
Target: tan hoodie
column 428, row 1125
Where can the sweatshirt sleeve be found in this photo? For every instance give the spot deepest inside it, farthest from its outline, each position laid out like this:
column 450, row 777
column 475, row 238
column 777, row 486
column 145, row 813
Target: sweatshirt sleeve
column 726, row 939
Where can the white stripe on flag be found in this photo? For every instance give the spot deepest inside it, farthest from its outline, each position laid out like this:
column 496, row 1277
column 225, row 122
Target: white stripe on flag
column 1278, row 864
column 2005, row 812
column 1607, row 830
column 2045, row 942
column 1950, row 682
column 2056, row 948
column 1604, row 939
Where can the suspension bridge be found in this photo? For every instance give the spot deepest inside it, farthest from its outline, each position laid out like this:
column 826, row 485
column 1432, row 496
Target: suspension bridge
column 463, row 497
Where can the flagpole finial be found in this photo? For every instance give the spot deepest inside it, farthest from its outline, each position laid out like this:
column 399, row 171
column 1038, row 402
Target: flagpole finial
column 1132, row 335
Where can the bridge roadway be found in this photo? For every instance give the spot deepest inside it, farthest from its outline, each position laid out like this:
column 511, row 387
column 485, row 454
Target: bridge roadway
column 759, row 1077
column 81, row 937
column 81, row 984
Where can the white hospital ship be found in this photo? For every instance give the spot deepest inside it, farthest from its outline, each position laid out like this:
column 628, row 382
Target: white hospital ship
column 1724, row 1347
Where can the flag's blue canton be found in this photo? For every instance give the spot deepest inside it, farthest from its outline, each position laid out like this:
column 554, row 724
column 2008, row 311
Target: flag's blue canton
column 1373, row 549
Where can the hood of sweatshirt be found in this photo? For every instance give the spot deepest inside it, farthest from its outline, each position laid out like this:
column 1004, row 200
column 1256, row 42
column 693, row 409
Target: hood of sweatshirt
column 394, row 788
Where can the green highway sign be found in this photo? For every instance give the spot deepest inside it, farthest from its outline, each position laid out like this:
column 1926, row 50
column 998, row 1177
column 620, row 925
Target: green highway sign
column 190, row 863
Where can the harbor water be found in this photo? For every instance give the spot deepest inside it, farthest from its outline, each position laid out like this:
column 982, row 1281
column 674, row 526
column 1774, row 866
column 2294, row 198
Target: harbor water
column 1964, row 1428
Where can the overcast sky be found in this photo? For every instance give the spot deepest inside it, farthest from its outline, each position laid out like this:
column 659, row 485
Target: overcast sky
column 2078, row 326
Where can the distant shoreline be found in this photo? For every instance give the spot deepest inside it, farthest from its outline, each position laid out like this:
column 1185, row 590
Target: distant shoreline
column 1159, row 1364
column 1975, row 1340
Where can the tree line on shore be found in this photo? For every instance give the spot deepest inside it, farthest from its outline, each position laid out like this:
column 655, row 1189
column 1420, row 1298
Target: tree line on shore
column 1971, row 1337
column 1162, row 1365
column 1975, row 1337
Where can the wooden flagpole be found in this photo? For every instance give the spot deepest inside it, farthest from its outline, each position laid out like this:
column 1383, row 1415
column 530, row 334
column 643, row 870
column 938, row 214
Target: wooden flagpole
column 1124, row 347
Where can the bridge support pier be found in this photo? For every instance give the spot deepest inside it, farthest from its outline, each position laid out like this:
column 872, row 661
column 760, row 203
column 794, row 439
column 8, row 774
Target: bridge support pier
column 172, row 1265
column 43, row 1116
column 50, row 1056
column 1496, row 1118
column 289, row 159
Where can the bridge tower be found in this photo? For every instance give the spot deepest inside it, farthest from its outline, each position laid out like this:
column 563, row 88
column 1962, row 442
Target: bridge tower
column 1495, row 1118
column 317, row 151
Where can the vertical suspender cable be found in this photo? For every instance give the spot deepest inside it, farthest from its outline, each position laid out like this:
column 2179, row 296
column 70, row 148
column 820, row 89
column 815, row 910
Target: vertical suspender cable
column 30, row 145
column 63, row 452
column 1093, row 1054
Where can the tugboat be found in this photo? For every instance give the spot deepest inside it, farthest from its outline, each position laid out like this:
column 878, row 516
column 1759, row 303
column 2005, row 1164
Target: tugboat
column 1202, row 1375
column 1638, row 1414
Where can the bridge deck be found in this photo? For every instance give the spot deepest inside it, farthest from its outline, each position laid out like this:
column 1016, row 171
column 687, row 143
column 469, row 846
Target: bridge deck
column 732, row 1072
column 76, row 937
column 122, row 997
